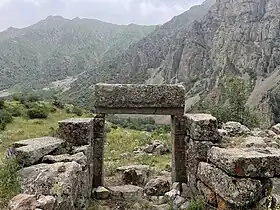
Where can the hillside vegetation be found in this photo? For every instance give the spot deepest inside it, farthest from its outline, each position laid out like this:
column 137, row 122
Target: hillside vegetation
column 56, row 48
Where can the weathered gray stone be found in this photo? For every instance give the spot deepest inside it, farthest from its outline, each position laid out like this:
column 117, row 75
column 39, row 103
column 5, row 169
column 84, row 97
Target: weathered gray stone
column 98, row 151
column 141, row 99
column 30, row 151
column 157, row 187
column 240, row 192
column 135, row 174
column 158, row 200
column 101, row 193
column 61, row 180
column 171, row 195
column 202, row 127
column 258, row 132
column 208, row 194
column 77, row 131
column 178, row 132
column 30, row 202
column 23, row 202
column 275, row 192
column 247, row 162
column 78, row 157
column 178, row 201
column 236, row 129
column 126, row 192
column 176, row 186
column 196, row 151
column 254, row 141
column 160, row 150
column 46, row 202
column 185, row 205
column 276, row 129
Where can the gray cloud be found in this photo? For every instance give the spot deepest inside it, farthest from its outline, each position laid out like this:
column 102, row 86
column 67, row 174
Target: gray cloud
column 20, row 13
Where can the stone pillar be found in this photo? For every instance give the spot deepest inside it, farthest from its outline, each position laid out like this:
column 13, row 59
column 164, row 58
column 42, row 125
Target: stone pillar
column 202, row 133
column 98, row 150
column 178, row 132
column 78, row 134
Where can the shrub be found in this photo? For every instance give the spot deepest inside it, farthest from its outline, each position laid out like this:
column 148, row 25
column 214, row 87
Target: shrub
column 9, row 184
column 2, row 103
column 232, row 105
column 196, row 204
column 38, row 112
column 16, row 110
column 5, row 118
column 78, row 111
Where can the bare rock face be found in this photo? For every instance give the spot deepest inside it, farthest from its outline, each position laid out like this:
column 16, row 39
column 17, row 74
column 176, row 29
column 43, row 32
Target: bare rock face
column 247, row 162
column 239, row 192
column 157, row 187
column 60, row 180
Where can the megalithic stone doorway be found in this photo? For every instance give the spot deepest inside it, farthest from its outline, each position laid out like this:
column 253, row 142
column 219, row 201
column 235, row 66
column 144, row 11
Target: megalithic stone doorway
column 145, row 100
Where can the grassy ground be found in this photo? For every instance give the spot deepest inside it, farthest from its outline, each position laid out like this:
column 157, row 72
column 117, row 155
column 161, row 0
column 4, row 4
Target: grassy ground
column 118, row 141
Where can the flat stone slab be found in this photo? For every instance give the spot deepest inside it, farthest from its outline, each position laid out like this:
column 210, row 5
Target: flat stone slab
column 139, row 99
column 247, row 162
column 30, row 151
column 239, row 192
column 126, row 192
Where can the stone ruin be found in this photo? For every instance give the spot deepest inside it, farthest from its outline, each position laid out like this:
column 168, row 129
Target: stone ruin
column 61, row 173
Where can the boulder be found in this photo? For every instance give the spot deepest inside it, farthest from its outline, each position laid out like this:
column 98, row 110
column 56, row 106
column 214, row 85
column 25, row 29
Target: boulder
column 29, row 152
column 101, row 193
column 126, row 192
column 171, row 195
column 161, row 207
column 253, row 141
column 27, row 202
column 157, row 187
column 239, row 192
column 236, row 129
column 160, row 150
column 135, row 174
column 247, row 162
column 23, row 202
column 64, row 181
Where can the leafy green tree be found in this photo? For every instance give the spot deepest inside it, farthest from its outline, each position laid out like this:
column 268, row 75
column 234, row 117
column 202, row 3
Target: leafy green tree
column 38, row 111
column 232, row 105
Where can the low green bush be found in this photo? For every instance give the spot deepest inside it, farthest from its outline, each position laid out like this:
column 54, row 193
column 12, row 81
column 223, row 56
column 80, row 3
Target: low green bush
column 78, row 111
column 5, row 118
column 38, row 111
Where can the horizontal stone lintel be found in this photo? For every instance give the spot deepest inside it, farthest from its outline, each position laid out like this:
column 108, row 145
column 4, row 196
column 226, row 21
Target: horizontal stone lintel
column 132, row 98
column 144, row 111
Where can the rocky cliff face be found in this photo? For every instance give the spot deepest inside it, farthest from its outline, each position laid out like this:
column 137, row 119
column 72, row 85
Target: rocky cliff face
column 205, row 44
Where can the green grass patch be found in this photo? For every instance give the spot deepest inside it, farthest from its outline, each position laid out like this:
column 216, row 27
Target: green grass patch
column 9, row 181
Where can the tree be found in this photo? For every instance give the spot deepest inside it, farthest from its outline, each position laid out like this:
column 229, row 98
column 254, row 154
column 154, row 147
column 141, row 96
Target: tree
column 232, row 105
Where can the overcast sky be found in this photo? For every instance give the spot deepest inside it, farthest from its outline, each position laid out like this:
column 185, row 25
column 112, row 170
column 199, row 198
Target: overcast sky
column 21, row 13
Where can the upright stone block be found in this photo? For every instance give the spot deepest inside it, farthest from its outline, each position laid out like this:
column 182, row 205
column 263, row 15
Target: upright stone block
column 202, row 127
column 98, row 151
column 178, row 130
column 77, row 131
column 139, row 99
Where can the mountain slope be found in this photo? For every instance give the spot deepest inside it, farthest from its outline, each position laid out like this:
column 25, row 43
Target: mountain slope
column 239, row 37
column 146, row 56
column 56, row 48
